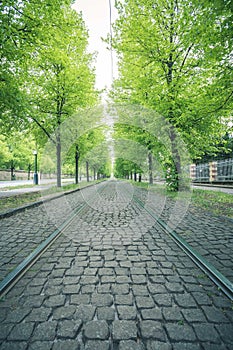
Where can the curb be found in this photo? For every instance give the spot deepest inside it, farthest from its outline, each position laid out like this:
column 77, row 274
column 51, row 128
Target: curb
column 42, row 201
column 212, row 185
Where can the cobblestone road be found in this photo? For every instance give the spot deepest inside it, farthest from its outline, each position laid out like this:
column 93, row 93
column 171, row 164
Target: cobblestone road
column 114, row 281
column 24, row 231
column 211, row 236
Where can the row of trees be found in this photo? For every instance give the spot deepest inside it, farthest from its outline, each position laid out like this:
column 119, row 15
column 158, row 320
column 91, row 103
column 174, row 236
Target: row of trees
column 175, row 58
column 173, row 96
column 46, row 76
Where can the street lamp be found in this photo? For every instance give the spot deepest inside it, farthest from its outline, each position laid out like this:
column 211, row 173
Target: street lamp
column 35, row 176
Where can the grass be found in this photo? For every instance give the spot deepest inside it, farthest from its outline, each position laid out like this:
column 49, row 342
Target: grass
column 214, row 202
column 19, row 200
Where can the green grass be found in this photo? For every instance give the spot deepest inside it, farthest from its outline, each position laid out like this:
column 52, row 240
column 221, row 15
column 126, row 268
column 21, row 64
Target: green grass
column 19, row 200
column 214, row 202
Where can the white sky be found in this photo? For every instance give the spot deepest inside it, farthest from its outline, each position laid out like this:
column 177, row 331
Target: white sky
column 96, row 15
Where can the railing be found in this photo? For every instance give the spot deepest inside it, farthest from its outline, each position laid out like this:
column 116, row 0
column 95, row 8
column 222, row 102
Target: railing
column 216, row 171
column 225, row 170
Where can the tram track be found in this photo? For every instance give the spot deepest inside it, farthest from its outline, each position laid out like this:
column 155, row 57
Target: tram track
column 17, row 273
column 223, row 283
column 14, row 276
column 216, row 276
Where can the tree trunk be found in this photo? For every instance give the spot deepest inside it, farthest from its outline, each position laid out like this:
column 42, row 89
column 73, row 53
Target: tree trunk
column 12, row 170
column 140, row 177
column 176, row 160
column 150, row 166
column 76, row 164
column 29, row 171
column 135, row 176
column 87, row 170
column 58, row 149
column 173, row 179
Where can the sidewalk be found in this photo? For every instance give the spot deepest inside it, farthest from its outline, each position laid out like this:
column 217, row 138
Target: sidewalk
column 43, row 185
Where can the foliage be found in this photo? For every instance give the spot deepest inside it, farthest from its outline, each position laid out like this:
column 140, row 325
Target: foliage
column 46, row 73
column 17, row 151
column 92, row 148
column 24, row 28
column 125, row 168
column 175, row 58
column 224, row 150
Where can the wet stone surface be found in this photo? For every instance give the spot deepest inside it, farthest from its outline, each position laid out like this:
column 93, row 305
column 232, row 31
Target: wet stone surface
column 124, row 285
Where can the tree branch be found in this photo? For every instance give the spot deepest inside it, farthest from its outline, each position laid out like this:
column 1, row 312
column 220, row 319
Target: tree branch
column 223, row 104
column 186, row 56
column 44, row 130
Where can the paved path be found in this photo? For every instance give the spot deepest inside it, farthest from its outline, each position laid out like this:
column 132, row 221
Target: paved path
column 44, row 184
column 223, row 189
column 115, row 281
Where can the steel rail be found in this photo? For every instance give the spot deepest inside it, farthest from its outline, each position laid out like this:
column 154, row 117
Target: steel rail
column 16, row 274
column 215, row 275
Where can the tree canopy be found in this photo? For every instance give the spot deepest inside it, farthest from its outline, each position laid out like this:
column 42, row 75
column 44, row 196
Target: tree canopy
column 175, row 58
column 46, row 74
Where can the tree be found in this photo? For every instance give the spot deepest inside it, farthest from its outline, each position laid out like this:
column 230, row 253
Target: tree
column 16, row 150
column 5, row 154
column 144, row 152
column 24, row 26
column 46, row 73
column 92, row 150
column 61, row 80
column 174, row 59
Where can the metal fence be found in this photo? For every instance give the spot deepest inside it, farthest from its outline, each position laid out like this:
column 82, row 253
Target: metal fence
column 202, row 172
column 225, row 170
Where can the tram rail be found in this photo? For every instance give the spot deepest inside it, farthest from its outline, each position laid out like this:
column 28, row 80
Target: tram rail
column 215, row 275
column 17, row 273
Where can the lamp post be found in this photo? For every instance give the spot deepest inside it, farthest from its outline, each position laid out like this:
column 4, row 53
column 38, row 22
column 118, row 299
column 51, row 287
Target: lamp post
column 35, row 176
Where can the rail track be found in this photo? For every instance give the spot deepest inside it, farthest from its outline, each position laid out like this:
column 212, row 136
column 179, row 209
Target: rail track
column 17, row 273
column 136, row 198
column 216, row 276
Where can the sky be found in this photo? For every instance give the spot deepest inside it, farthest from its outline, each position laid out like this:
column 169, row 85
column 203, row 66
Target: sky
column 96, row 15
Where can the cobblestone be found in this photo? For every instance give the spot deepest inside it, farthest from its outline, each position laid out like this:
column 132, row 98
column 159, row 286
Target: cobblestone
column 124, row 330
column 152, row 330
column 130, row 345
column 97, row 345
column 96, row 330
column 114, row 281
column 68, row 328
column 106, row 313
column 21, row 331
column 210, row 235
